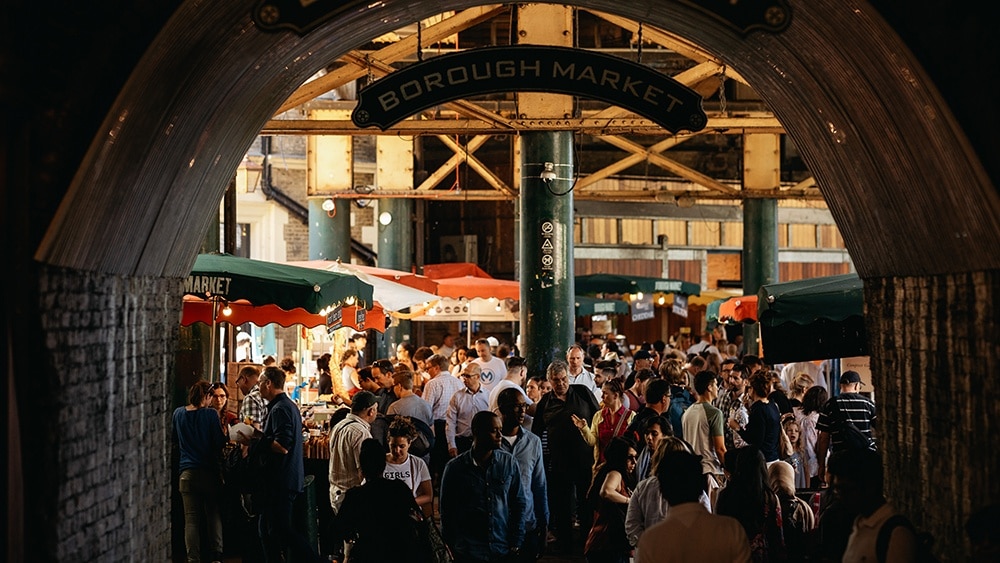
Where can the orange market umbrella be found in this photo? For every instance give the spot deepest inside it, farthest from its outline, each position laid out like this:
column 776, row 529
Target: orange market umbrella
column 415, row 281
column 198, row 310
column 741, row 309
column 471, row 287
column 454, row 270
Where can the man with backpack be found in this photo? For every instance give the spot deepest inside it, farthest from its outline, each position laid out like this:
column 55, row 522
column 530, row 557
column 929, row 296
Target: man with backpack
column 847, row 421
column 879, row 533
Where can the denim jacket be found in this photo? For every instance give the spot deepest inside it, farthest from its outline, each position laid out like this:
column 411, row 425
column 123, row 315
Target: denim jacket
column 482, row 508
column 527, row 450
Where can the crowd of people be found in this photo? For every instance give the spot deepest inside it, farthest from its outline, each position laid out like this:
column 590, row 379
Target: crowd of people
column 682, row 454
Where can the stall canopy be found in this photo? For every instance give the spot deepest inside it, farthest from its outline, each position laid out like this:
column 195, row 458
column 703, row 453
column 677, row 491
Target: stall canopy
column 812, row 319
column 465, row 280
column 391, row 295
column 617, row 284
column 589, row 306
column 197, row 310
column 741, row 309
column 228, row 278
column 416, row 281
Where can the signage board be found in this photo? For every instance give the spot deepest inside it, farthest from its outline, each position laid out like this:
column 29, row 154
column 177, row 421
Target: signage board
column 530, row 68
column 680, row 306
column 642, row 309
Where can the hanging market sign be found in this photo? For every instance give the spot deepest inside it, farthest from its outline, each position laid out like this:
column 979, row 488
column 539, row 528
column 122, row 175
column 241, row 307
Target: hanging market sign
column 680, row 306
column 642, row 308
column 530, row 68
column 335, row 319
column 302, row 16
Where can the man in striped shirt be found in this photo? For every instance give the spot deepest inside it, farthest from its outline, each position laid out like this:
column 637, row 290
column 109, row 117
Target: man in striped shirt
column 847, row 408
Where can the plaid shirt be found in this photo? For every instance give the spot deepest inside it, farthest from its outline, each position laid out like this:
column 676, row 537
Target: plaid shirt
column 732, row 406
column 253, row 408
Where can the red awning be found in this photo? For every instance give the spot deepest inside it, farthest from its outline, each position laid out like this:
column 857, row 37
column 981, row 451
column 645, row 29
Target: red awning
column 741, row 309
column 197, row 310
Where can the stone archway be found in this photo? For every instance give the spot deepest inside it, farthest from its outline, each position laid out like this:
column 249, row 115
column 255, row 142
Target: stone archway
column 867, row 120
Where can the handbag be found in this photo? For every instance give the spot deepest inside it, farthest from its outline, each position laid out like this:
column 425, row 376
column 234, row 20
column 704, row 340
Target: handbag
column 429, row 540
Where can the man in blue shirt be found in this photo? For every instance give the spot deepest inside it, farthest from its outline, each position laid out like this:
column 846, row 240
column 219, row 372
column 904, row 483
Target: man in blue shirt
column 527, row 450
column 284, row 474
column 482, row 501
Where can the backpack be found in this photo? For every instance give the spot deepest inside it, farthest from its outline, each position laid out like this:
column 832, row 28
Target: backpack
column 924, row 540
column 854, row 438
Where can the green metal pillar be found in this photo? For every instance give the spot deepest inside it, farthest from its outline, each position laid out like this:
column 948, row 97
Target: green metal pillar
column 330, row 231
column 546, row 232
column 760, row 256
column 395, row 251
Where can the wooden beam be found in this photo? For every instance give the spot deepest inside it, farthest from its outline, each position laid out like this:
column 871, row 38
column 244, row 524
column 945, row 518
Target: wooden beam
column 452, row 163
column 670, row 165
column 499, row 125
column 475, row 164
column 390, row 53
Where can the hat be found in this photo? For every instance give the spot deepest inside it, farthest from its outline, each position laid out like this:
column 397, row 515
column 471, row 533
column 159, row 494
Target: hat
column 363, row 400
column 493, row 341
column 642, row 355
column 850, row 376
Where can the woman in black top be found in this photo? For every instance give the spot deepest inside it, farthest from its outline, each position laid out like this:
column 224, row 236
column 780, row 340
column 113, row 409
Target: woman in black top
column 763, row 429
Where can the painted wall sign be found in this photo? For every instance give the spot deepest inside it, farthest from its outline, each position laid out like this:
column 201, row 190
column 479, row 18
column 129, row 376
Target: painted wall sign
column 302, row 16
column 530, row 68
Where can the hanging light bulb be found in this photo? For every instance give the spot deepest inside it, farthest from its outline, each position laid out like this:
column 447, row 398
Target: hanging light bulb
column 227, row 310
column 661, row 300
column 638, row 296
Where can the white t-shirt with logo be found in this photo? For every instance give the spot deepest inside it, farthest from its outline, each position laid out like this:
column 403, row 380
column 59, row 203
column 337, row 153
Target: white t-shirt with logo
column 413, row 471
column 493, row 372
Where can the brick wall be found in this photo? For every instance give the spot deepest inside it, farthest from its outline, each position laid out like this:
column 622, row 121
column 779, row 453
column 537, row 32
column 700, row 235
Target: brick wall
column 105, row 462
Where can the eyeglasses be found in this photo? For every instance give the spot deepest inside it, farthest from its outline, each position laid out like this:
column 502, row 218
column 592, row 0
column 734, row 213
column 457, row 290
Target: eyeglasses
column 632, row 458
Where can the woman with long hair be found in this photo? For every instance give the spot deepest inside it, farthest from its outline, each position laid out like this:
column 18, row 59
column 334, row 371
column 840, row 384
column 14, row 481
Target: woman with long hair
column 608, row 496
column 220, row 398
column 410, row 469
column 763, row 429
column 200, row 438
column 609, row 422
column 647, row 506
column 794, row 451
column 404, row 355
column 808, row 416
column 349, row 371
column 748, row 497
column 798, row 387
column 324, row 375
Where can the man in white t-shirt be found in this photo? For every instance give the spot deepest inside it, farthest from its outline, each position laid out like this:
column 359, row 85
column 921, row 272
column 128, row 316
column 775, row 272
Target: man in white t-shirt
column 517, row 371
column 578, row 374
column 492, row 368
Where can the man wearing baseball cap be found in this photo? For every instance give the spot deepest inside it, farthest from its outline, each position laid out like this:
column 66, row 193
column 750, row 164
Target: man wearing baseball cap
column 847, row 409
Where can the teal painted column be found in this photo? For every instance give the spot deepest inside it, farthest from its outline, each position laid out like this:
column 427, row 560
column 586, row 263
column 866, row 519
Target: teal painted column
column 395, row 250
column 330, row 231
column 546, row 232
column 760, row 256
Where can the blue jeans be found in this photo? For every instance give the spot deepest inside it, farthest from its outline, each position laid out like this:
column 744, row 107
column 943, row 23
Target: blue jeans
column 200, row 491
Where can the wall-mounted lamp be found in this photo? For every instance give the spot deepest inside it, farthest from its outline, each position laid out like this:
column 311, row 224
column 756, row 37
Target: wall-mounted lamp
column 684, row 201
column 330, row 207
column 385, row 218
column 548, row 172
column 365, row 190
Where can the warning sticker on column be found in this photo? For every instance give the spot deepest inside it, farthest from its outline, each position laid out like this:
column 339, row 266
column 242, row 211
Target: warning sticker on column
column 548, row 247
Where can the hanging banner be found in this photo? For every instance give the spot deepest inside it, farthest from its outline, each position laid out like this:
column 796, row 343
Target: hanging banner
column 530, row 68
column 642, row 309
column 680, row 305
